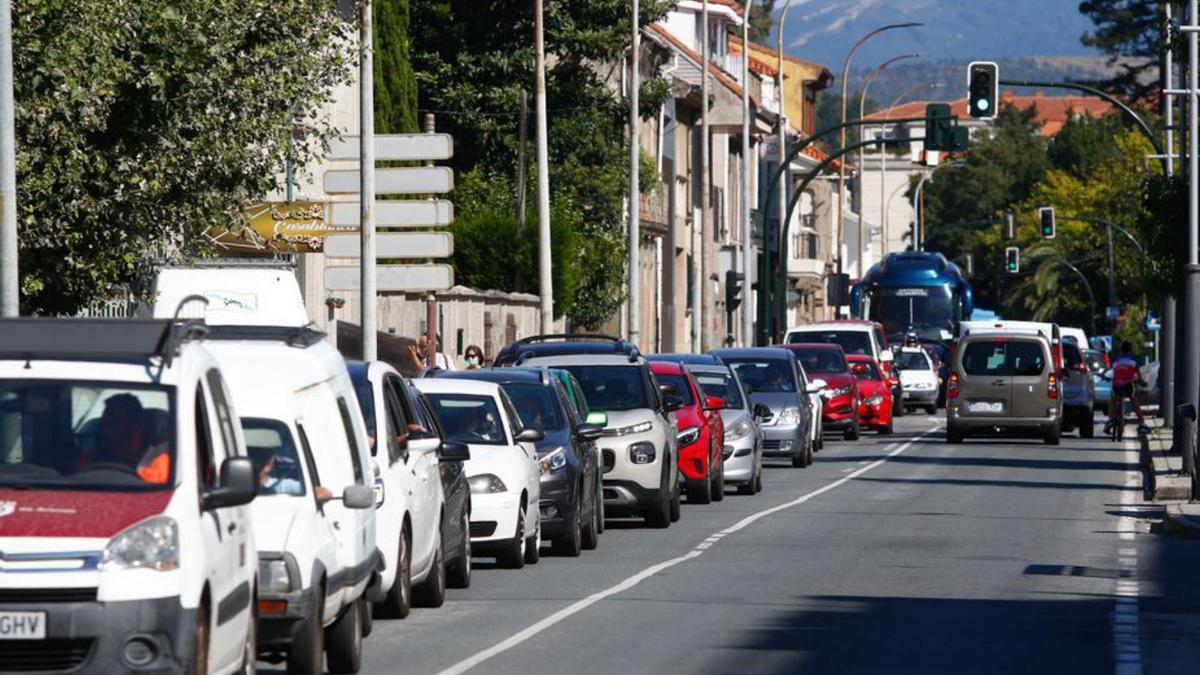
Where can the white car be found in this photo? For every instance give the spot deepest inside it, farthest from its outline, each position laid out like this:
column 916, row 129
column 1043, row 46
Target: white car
column 504, row 472
column 918, row 379
column 125, row 535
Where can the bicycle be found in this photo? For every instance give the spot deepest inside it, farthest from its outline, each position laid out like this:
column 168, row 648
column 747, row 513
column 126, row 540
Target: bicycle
column 1117, row 430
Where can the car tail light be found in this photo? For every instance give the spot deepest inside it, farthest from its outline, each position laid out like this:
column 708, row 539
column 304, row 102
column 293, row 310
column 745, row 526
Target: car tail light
column 952, row 388
column 1052, row 386
column 1056, row 355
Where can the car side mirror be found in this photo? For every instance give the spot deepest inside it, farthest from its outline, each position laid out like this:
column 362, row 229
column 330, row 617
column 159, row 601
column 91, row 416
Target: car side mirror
column 714, row 403
column 672, row 403
column 358, row 497
column 589, row 432
column 454, row 452
column 859, row 368
column 424, row 444
column 530, row 435
column 813, row 388
column 597, row 418
column 761, row 411
column 819, row 384
column 238, row 485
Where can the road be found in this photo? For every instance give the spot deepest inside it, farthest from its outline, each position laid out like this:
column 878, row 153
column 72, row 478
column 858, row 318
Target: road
column 892, row 554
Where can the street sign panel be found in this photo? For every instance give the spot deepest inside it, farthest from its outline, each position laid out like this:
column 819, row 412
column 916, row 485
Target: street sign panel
column 411, row 147
column 1112, row 312
column 406, row 213
column 394, row 181
column 393, row 245
column 394, row 278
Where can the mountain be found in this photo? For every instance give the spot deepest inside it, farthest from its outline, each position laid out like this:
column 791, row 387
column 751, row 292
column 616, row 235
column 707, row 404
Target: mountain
column 983, row 30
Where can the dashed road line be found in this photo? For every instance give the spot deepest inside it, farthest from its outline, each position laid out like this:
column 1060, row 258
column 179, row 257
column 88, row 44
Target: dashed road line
column 537, row 627
column 1127, row 647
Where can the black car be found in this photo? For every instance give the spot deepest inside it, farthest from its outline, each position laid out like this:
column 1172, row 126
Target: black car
column 411, row 411
column 570, row 503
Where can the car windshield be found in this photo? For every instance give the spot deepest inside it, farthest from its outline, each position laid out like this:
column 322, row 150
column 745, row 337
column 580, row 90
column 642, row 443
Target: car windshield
column 869, row 371
column 1095, row 360
column 913, row 360
column 721, row 385
column 851, row 341
column 1072, row 358
column 926, row 311
column 366, row 399
column 468, row 419
column 682, row 390
column 276, row 460
column 79, row 435
column 612, row 387
column 764, row 375
column 536, row 406
column 820, row 360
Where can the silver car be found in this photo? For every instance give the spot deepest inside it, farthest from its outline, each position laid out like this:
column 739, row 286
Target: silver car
column 743, row 448
column 775, row 380
column 1079, row 391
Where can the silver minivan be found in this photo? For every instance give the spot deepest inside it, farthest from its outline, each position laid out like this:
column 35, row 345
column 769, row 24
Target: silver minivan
column 1002, row 381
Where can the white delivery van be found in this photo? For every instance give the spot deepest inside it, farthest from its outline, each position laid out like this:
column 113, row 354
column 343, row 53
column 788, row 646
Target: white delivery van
column 125, row 536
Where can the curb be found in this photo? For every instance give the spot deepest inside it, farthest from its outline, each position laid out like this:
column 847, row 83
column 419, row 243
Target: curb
column 1176, row 521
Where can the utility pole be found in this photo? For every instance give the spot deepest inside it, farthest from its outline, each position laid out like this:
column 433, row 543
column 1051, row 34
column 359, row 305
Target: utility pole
column 366, row 172
column 747, row 243
column 1191, row 297
column 1166, row 335
column 783, row 195
column 522, row 172
column 545, row 285
column 635, row 225
column 432, row 315
column 9, row 278
column 707, row 306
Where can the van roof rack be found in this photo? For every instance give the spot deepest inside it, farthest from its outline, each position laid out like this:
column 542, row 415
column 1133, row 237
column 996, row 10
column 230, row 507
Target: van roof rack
column 292, row 336
column 72, row 339
column 569, row 337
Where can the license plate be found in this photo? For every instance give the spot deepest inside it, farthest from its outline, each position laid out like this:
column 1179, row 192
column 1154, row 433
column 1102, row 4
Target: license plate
column 986, row 407
column 908, row 394
column 22, row 625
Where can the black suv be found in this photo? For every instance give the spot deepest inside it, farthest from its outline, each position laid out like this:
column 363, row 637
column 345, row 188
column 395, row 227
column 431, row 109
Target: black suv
column 570, row 504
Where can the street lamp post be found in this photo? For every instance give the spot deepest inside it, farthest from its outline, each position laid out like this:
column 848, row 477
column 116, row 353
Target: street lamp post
column 747, row 310
column 545, row 279
column 841, row 216
column 782, row 135
column 9, row 278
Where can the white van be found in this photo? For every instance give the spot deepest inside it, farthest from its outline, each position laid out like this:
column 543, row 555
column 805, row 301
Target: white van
column 258, row 331
column 125, row 539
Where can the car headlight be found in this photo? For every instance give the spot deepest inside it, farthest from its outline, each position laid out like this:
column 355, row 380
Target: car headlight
column 642, row 453
column 874, row 399
column 150, row 544
column 834, row 393
column 640, row 427
column 688, row 436
column 273, row 576
column 553, row 461
column 739, row 431
column 790, row 416
column 486, row 483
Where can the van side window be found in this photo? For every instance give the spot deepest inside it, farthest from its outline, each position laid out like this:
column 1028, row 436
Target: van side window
column 206, row 470
column 397, row 430
column 306, row 451
column 216, row 389
column 581, row 401
column 348, row 425
column 404, row 410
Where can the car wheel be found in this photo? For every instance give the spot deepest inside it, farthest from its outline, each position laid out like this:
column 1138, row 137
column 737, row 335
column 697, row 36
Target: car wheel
column 1088, row 428
column 675, row 508
column 198, row 659
column 368, row 618
column 512, row 553
column 343, row 641
column 306, row 651
column 718, row 491
column 700, row 492
column 803, row 459
column 250, row 648
column 886, row 430
column 954, row 435
column 900, row 411
column 459, row 573
column 851, row 434
column 591, row 532
column 570, row 544
column 1053, row 435
column 931, row 410
column 758, row 486
column 600, row 508
column 533, row 546
column 432, row 591
column 398, row 601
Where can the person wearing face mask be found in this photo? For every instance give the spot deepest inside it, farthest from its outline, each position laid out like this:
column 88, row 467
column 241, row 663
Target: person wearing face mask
column 474, row 357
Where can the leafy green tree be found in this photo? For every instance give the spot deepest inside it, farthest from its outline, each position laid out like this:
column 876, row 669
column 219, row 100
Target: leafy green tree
column 141, row 123
column 395, row 84
column 1124, row 29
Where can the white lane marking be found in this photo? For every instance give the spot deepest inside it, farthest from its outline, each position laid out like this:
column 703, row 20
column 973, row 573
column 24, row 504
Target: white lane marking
column 580, row 605
column 1127, row 643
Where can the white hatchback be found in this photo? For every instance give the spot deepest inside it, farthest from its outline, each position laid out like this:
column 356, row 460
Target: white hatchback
column 503, row 472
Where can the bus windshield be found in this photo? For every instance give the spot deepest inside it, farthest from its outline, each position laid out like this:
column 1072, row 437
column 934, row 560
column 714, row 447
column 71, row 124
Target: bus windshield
column 930, row 311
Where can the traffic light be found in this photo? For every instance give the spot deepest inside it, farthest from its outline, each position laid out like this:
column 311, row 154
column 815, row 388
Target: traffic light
column 938, row 124
column 1012, row 259
column 960, row 139
column 983, row 85
column 733, row 290
column 1010, row 226
column 1046, row 218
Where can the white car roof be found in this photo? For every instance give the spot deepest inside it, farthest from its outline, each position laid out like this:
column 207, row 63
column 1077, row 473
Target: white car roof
column 850, row 327
column 237, row 296
column 292, row 367
column 457, row 386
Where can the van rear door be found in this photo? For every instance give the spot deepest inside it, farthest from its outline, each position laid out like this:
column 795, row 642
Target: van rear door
column 984, row 381
column 1030, row 365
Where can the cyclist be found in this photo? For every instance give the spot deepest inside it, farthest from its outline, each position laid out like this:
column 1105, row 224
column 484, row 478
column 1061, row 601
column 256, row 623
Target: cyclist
column 1124, row 385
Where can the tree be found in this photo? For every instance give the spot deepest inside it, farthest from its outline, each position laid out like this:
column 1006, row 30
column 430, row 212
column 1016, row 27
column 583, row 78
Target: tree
column 1130, row 32
column 395, row 84
column 140, row 124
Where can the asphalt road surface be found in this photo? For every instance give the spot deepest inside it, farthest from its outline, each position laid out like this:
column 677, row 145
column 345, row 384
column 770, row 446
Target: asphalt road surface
column 897, row 554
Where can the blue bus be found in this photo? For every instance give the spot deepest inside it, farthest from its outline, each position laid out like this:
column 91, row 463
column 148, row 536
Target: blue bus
column 914, row 291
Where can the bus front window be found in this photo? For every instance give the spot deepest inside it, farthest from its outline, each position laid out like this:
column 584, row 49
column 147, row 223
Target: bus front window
column 926, row 310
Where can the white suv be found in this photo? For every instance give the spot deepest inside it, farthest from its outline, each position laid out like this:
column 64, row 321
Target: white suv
column 125, row 539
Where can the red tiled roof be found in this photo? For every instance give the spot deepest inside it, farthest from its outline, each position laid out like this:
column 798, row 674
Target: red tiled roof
column 1051, row 112
column 756, row 64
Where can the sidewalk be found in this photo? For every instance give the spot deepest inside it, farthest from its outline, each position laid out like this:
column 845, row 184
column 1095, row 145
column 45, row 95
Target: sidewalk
column 1163, row 481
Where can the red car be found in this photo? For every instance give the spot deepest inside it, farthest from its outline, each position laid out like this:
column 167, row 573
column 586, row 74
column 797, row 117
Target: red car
column 875, row 390
column 840, row 397
column 701, row 433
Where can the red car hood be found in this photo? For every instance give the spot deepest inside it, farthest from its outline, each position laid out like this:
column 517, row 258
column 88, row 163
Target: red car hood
column 868, row 388
column 834, row 380
column 75, row 513
column 688, row 416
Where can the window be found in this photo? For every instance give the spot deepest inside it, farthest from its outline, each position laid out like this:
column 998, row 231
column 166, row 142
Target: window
column 468, row 419
column 852, row 342
column 682, row 390
column 765, row 376
column 306, row 449
column 536, row 404
column 984, row 358
column 1019, row 358
column 913, row 360
column 614, row 387
column 351, row 440
column 721, row 385
column 276, row 460
column 216, row 389
column 1026, row 359
column 869, row 371
column 206, row 470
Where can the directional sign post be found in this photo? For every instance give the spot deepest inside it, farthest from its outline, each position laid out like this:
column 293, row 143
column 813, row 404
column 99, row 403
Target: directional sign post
column 409, row 213
column 393, row 245
column 400, row 147
column 394, row 278
column 413, row 180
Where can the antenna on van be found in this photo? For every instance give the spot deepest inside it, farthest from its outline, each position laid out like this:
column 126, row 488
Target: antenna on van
column 183, row 329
